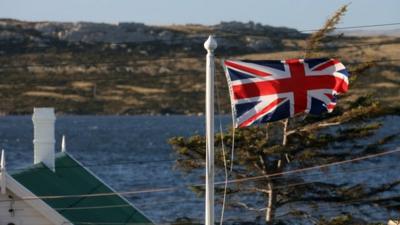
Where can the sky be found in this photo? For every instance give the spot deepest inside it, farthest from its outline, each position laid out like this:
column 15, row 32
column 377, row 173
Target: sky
column 299, row 14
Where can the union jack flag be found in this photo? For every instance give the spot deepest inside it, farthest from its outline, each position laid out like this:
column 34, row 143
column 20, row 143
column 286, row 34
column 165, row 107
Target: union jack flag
column 269, row 90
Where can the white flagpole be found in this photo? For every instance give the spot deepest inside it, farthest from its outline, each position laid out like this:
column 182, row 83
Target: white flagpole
column 210, row 45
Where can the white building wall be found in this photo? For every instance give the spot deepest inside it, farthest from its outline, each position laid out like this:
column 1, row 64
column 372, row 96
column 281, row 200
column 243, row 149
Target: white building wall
column 23, row 214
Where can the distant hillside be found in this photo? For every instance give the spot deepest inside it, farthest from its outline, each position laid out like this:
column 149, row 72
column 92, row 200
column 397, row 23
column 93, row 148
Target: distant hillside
column 131, row 68
column 246, row 36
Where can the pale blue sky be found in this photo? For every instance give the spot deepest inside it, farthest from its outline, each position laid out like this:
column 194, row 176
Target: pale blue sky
column 300, row 14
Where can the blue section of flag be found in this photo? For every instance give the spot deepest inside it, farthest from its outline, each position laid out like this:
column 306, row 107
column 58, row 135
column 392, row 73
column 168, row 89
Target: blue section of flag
column 282, row 111
column 317, row 107
column 235, row 75
column 344, row 72
column 276, row 64
column 244, row 107
column 313, row 62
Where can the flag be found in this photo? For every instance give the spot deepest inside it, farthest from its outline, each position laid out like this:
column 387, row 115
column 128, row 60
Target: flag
column 269, row 90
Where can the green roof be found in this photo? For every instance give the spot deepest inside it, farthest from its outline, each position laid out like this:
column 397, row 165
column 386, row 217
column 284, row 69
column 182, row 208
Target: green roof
column 71, row 178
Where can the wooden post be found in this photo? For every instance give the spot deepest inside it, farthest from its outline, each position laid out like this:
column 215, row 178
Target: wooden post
column 210, row 45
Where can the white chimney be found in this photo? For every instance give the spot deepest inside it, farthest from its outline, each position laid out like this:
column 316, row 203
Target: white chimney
column 43, row 136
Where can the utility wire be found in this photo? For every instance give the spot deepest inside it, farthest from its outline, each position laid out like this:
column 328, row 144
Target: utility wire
column 151, row 204
column 199, row 37
column 223, row 154
column 357, row 27
column 312, row 167
column 180, row 200
column 334, row 205
column 240, row 180
column 189, row 73
column 136, row 62
column 44, row 169
column 331, row 207
column 128, row 162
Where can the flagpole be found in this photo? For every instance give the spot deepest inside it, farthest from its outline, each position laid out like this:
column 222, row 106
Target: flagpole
column 210, row 45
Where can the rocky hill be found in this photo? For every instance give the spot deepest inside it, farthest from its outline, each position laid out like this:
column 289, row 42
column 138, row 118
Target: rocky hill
column 132, row 68
column 47, row 34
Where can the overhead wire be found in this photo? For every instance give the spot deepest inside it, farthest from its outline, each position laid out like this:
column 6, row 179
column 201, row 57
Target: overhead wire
column 281, row 187
column 189, row 73
column 223, row 152
column 333, row 206
column 337, row 205
column 239, row 180
column 136, row 62
column 128, row 162
column 200, row 37
column 313, row 167
column 357, row 27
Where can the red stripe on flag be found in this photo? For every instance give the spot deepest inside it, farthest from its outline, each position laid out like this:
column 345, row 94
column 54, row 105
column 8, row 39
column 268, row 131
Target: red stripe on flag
column 259, row 89
column 327, row 82
column 299, row 83
column 246, row 69
column 289, row 85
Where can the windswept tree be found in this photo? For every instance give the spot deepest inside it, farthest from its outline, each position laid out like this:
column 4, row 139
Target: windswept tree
column 267, row 151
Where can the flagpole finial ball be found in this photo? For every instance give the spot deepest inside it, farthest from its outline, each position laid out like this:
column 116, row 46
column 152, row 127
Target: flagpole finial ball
column 210, row 44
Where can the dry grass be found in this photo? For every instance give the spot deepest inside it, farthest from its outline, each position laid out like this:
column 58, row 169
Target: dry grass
column 50, row 88
column 109, row 97
column 384, row 85
column 45, row 94
column 67, row 69
column 83, row 85
column 141, row 90
column 113, row 92
column 133, row 101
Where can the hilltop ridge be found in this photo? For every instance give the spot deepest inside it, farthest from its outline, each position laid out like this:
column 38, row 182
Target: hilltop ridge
column 62, row 33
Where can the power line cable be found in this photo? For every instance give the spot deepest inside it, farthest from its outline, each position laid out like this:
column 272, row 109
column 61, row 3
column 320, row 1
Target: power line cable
column 240, row 180
column 125, row 63
column 223, row 153
column 331, row 208
column 128, row 162
column 313, row 167
column 196, row 200
column 201, row 37
column 152, row 203
column 196, row 73
column 357, row 27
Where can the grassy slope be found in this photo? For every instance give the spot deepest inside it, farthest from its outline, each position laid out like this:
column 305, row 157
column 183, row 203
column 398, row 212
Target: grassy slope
column 101, row 79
